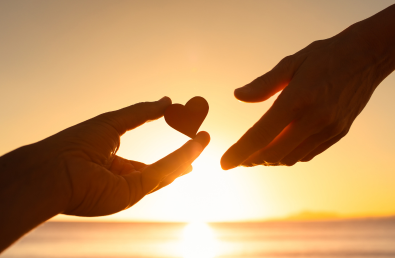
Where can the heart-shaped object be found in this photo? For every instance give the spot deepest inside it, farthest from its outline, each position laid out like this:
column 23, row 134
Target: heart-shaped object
column 187, row 119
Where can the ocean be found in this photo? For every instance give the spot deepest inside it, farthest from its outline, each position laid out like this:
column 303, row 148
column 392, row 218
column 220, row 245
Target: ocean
column 372, row 238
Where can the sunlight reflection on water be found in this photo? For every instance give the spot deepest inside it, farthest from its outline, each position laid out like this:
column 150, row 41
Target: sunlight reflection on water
column 331, row 239
column 198, row 241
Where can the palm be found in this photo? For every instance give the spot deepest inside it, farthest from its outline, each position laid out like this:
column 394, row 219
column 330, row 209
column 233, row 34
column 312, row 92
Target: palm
column 102, row 183
column 97, row 189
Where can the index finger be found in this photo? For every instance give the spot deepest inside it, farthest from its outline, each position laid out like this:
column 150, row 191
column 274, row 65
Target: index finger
column 268, row 127
column 128, row 118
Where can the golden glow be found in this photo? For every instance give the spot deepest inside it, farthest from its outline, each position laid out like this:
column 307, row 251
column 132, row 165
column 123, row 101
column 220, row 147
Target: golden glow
column 64, row 63
column 198, row 241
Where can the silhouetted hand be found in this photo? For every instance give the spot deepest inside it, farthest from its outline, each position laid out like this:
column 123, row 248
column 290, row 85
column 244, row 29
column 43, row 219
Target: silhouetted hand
column 103, row 183
column 77, row 171
column 324, row 87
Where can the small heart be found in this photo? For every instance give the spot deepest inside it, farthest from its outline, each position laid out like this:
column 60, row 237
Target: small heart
column 187, row 119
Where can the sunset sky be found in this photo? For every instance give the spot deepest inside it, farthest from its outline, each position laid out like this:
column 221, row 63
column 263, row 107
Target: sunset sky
column 63, row 62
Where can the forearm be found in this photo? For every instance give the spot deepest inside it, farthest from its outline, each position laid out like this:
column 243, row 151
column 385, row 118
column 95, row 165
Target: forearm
column 29, row 193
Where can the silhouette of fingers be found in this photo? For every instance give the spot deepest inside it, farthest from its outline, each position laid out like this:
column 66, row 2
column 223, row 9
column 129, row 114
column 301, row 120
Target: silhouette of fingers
column 271, row 124
column 290, row 138
column 309, row 145
column 324, row 146
column 128, row 118
column 270, row 83
column 156, row 172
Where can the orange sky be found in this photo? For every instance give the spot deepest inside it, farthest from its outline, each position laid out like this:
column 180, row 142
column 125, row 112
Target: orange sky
column 62, row 62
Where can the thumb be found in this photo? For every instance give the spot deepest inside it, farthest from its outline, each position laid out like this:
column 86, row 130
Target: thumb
column 270, row 83
column 184, row 156
column 128, row 118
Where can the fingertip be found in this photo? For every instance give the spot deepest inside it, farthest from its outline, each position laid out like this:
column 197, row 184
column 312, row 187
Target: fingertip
column 187, row 171
column 226, row 162
column 242, row 93
column 197, row 145
column 226, row 166
column 203, row 138
column 166, row 101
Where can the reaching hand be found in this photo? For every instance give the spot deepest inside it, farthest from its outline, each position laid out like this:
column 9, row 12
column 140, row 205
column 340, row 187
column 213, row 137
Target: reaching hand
column 324, row 87
column 77, row 171
column 102, row 183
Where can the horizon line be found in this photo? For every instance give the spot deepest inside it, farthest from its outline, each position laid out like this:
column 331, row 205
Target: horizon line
column 300, row 217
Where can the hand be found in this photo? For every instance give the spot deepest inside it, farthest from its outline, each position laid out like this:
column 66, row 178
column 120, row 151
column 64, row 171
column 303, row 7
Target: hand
column 77, row 171
column 324, row 87
column 102, row 183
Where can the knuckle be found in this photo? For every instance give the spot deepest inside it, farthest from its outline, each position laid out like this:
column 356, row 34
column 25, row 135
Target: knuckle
column 302, row 101
column 286, row 62
column 315, row 44
column 110, row 118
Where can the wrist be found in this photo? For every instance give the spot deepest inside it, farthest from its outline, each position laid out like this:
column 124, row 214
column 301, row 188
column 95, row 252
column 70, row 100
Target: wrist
column 30, row 192
column 377, row 35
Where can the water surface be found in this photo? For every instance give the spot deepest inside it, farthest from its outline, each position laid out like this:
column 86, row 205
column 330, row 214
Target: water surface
column 340, row 239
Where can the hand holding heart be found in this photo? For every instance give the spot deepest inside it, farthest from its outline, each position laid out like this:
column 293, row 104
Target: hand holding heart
column 77, row 171
column 324, row 87
column 187, row 119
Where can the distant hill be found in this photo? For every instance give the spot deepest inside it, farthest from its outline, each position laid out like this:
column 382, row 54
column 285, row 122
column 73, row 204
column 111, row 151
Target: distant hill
column 313, row 215
column 323, row 215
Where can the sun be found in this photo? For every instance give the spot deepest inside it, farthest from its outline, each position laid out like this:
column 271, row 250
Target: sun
column 198, row 241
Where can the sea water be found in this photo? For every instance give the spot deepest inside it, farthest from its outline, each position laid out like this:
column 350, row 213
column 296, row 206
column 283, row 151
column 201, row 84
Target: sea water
column 326, row 239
